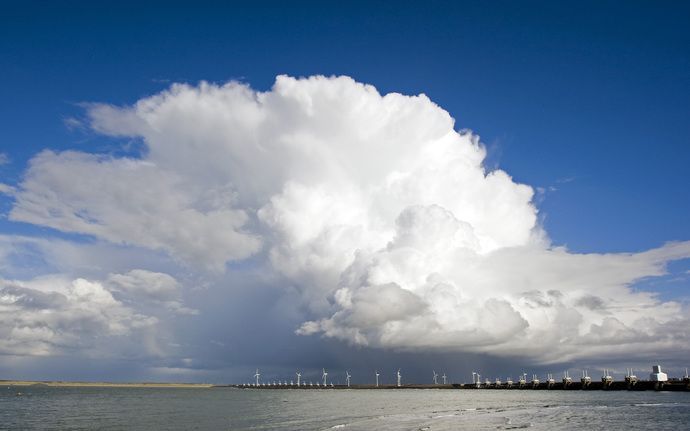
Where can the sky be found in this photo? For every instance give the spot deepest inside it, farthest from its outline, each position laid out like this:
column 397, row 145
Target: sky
column 189, row 191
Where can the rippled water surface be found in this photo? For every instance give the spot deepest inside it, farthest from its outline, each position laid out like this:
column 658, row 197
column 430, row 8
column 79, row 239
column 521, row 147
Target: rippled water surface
column 246, row 409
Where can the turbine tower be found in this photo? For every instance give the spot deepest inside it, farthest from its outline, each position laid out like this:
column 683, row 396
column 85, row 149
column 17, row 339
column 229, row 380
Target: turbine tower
column 435, row 377
column 324, row 376
column 256, row 376
column 299, row 377
column 347, row 378
column 399, row 376
column 444, row 378
column 377, row 379
column 476, row 379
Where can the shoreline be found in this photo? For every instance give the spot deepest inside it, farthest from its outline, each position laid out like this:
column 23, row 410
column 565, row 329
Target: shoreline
column 63, row 384
column 642, row 385
column 613, row 386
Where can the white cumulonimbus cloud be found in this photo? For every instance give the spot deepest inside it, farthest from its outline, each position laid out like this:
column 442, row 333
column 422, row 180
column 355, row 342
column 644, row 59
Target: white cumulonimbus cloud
column 374, row 207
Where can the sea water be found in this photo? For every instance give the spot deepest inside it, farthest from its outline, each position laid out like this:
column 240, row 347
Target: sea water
column 73, row 408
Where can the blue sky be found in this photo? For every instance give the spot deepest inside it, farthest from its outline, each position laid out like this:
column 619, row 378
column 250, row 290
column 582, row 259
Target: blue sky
column 589, row 98
column 587, row 101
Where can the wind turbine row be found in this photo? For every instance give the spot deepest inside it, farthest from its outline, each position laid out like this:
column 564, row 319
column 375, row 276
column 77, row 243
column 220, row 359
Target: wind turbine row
column 348, row 379
column 607, row 380
column 324, row 380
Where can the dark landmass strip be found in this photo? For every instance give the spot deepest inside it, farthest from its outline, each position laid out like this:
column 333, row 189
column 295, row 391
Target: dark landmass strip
column 642, row 385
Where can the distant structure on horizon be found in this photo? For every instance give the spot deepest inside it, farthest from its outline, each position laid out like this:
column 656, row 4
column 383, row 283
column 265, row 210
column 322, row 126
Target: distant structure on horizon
column 657, row 375
column 658, row 381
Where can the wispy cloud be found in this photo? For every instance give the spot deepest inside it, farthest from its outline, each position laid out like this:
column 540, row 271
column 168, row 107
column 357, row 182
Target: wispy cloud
column 73, row 123
column 6, row 189
column 565, row 180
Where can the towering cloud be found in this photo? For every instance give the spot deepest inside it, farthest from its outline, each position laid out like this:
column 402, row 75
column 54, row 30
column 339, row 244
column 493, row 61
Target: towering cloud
column 373, row 207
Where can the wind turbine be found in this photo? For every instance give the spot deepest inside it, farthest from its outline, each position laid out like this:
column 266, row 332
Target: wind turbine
column 399, row 376
column 256, row 376
column 324, row 376
column 435, row 377
column 347, row 378
column 444, row 378
column 299, row 376
column 377, row 379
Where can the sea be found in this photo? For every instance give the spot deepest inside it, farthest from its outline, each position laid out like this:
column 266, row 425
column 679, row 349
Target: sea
column 89, row 408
